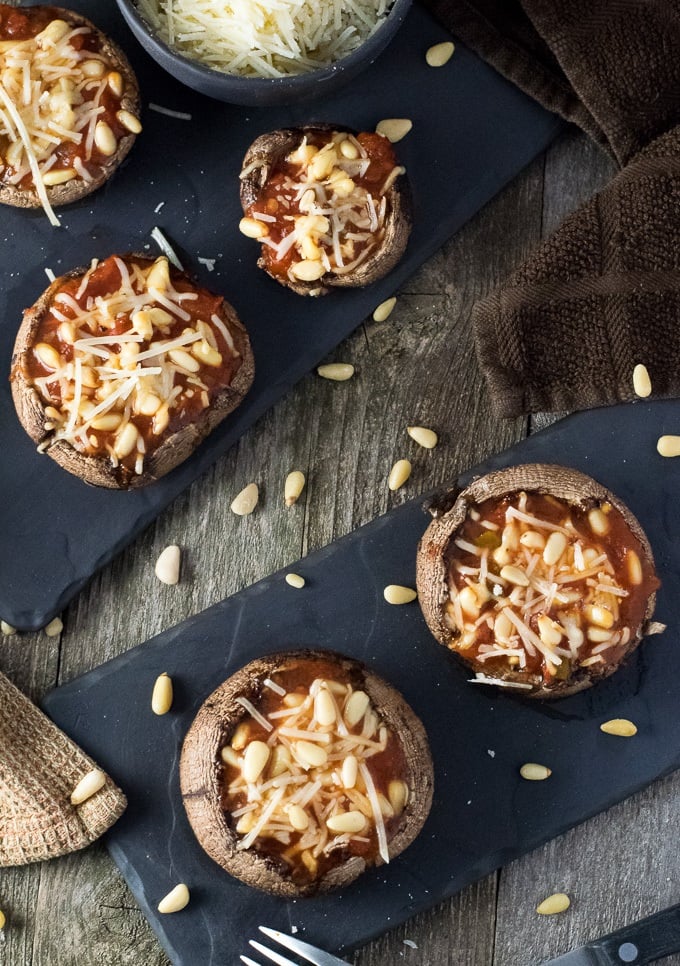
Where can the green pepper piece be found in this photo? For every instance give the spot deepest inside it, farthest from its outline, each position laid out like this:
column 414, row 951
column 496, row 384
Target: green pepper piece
column 488, row 540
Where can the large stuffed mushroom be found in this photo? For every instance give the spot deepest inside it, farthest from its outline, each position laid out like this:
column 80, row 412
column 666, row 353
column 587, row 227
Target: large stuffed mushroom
column 538, row 579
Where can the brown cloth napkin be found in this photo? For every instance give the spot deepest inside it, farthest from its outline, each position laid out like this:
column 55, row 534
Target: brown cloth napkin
column 603, row 293
column 39, row 768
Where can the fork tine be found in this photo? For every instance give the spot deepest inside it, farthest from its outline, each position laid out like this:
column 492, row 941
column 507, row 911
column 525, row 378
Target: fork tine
column 310, row 953
column 270, row 954
column 248, row 961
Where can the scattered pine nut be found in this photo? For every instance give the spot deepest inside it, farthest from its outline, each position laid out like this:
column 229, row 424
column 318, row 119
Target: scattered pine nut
column 167, row 565
column 619, row 726
column 3, row 920
column 161, row 698
column 399, row 474
column 394, row 128
column 558, row 902
column 7, row 629
column 426, row 438
column 439, row 54
column 246, row 501
column 295, row 580
column 535, row 773
column 55, row 627
column 294, row 485
column 396, row 594
column 642, row 384
column 384, row 310
column 88, row 786
column 668, row 446
column 175, row 900
column 336, row 371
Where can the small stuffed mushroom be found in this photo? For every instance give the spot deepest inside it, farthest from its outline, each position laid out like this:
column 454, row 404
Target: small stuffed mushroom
column 330, row 206
column 304, row 769
column 121, row 370
column 538, row 578
column 82, row 115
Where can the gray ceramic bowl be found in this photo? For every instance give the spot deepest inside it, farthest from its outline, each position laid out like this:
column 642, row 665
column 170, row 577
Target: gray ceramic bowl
column 256, row 91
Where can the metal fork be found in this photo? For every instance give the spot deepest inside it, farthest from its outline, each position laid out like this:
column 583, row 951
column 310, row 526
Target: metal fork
column 311, row 954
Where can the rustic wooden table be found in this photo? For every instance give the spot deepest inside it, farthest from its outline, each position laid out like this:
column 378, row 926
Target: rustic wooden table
column 418, row 367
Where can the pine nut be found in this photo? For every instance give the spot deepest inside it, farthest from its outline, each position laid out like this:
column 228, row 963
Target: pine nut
column 229, row 757
column 559, row 902
column 115, row 82
column 182, row 359
column 621, row 727
column 324, row 708
column 92, row 68
column 310, row 862
column 106, row 422
column 386, row 809
column 346, row 822
column 533, row 540
column 297, row 817
column 52, row 178
column 105, row 139
column 7, row 629
column 396, row 594
column 246, row 501
column 279, row 761
column 384, row 310
column 535, row 773
column 255, row 761
column 394, row 128
column 426, row 438
column 141, row 324
column 642, row 384
column 88, row 786
column 55, row 627
column 312, row 756
column 206, row 354
column 599, row 523
column 468, row 602
column 245, row 823
column 168, row 564
column 162, row 695
column 600, row 616
column 398, row 794
column 514, row 575
column 399, row 474
column 336, row 371
column 3, row 920
column 147, row 403
column 252, row 228
column 549, row 632
column 349, row 150
column 240, row 737
column 555, row 546
column 439, row 54
column 129, row 121
column 159, row 277
column 52, row 33
column 598, row 635
column 501, row 556
column 47, row 355
column 293, row 487
column 510, row 537
column 308, row 270
column 668, row 446
column 356, row 707
column 175, row 901
column 634, row 568
column 503, row 627
column 295, row 580
column 67, row 332
column 126, row 440
column 350, row 771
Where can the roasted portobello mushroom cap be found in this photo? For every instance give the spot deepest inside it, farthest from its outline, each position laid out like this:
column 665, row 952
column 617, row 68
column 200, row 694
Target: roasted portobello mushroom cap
column 304, row 769
column 330, row 206
column 538, row 578
column 82, row 87
column 120, row 370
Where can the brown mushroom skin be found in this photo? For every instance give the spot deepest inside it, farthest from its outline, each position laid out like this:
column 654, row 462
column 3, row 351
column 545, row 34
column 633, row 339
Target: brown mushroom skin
column 262, row 159
column 200, row 770
column 432, row 572
column 78, row 188
column 98, row 470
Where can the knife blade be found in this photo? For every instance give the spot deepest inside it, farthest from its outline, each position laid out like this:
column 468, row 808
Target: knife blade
column 641, row 942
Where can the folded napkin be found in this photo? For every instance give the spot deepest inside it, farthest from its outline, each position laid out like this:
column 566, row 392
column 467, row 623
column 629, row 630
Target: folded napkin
column 603, row 293
column 39, row 768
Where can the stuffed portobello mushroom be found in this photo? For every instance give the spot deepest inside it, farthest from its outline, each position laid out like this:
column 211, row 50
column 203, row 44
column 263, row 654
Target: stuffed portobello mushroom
column 69, row 107
column 330, row 206
column 121, row 370
column 539, row 579
column 303, row 770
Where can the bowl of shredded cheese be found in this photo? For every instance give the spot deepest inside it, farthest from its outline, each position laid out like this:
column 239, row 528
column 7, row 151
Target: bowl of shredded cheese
column 263, row 52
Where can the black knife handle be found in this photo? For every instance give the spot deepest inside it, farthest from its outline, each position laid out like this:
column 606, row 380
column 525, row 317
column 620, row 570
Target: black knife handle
column 642, row 942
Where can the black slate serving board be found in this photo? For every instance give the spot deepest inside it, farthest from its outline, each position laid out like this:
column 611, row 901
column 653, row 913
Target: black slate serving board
column 472, row 133
column 483, row 814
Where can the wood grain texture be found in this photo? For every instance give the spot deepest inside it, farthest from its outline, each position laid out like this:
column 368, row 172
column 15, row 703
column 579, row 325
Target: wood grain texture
column 418, row 367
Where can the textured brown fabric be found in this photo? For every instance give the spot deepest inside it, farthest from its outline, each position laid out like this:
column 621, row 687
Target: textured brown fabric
column 39, row 768
column 603, row 293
